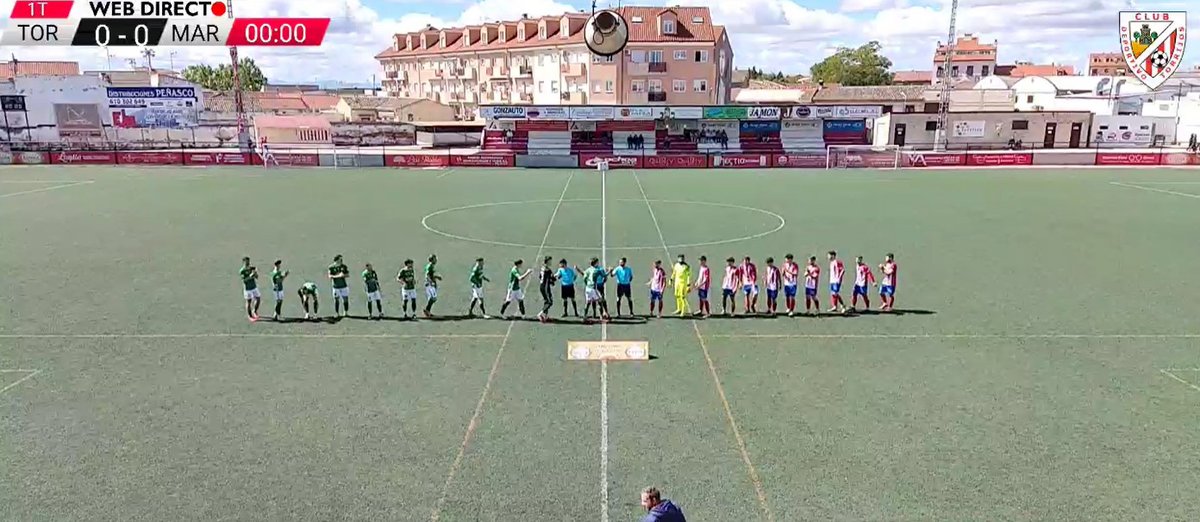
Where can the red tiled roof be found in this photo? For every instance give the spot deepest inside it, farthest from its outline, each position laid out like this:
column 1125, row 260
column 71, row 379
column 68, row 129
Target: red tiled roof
column 1027, row 69
column 22, row 68
column 320, row 102
column 282, row 104
column 912, row 77
column 647, row 31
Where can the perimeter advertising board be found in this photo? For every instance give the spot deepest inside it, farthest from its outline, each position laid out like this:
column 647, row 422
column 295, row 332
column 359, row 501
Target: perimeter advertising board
column 154, row 107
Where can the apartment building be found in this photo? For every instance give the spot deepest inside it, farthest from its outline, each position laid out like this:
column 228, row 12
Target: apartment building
column 1107, row 64
column 969, row 58
column 676, row 55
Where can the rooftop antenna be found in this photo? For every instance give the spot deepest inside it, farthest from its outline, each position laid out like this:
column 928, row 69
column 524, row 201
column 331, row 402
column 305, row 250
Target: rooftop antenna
column 940, row 139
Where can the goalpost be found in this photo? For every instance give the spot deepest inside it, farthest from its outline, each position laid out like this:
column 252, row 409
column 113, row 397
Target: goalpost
column 862, row 157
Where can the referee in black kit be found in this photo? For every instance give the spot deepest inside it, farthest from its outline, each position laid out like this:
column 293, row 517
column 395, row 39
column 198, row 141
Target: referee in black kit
column 546, row 285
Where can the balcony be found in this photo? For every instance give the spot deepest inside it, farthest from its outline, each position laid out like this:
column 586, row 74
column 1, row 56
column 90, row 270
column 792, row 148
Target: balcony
column 525, row 97
column 496, row 72
column 571, row 69
column 638, row 69
column 573, row 98
column 524, row 71
column 657, row 96
column 391, row 75
column 658, row 67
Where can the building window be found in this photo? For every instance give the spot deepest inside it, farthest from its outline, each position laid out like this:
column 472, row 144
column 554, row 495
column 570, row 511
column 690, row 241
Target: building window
column 656, row 56
column 701, row 56
column 1029, row 99
column 970, row 70
column 541, row 59
column 601, row 59
column 637, row 56
column 542, row 86
column 608, row 86
column 679, row 86
column 1020, row 124
column 636, row 19
column 656, row 86
column 986, row 70
column 521, row 32
column 597, row 87
column 931, row 126
column 680, row 55
column 553, row 85
column 954, row 71
column 668, row 26
column 637, row 86
column 700, row 85
column 542, row 32
column 697, row 19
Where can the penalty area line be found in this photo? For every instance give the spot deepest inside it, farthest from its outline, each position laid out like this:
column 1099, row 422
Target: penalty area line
column 250, row 336
column 45, row 189
column 32, row 374
column 1189, row 384
column 955, row 336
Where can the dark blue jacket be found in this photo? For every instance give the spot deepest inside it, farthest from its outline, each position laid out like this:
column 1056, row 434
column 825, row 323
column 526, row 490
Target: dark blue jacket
column 665, row 512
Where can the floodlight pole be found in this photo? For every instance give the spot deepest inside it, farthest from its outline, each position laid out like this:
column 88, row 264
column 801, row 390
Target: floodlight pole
column 940, row 139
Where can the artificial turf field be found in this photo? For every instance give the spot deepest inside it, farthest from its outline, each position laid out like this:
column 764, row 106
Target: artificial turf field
column 1044, row 366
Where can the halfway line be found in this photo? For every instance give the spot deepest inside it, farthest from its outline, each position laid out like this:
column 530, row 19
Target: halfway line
column 249, row 335
column 491, row 378
column 956, row 336
column 755, row 479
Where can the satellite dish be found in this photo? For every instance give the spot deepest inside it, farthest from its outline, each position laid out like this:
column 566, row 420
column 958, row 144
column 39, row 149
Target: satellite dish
column 606, row 33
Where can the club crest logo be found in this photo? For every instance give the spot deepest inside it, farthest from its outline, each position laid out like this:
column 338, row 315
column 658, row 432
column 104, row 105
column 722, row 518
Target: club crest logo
column 1152, row 43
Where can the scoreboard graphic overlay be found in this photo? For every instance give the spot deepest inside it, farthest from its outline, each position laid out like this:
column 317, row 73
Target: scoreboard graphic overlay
column 150, row 23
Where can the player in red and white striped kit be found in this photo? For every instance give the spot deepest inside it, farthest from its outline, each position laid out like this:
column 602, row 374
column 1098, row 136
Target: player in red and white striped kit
column 729, row 286
column 791, row 274
column 812, row 275
column 750, row 285
column 863, row 279
column 887, row 289
column 836, row 272
column 703, row 281
column 772, row 284
column 657, row 284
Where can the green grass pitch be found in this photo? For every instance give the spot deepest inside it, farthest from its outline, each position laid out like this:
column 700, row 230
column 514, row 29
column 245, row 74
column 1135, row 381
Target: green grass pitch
column 1047, row 368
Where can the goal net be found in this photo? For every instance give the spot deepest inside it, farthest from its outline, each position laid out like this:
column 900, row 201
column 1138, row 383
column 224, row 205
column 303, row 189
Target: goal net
column 862, row 157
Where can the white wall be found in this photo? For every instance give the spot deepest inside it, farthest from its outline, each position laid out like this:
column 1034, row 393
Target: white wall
column 42, row 93
column 1185, row 112
column 1132, row 131
column 545, row 69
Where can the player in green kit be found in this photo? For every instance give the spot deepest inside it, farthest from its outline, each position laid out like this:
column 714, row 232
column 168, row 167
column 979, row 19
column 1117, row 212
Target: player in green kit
column 408, row 278
column 308, row 294
column 371, row 281
column 249, row 277
column 338, row 272
column 515, row 276
column 431, row 285
column 277, row 277
column 477, row 279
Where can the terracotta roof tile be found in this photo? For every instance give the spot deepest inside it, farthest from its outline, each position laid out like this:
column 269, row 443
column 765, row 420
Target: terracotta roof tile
column 1028, row 69
column 912, row 77
column 22, row 68
column 320, row 102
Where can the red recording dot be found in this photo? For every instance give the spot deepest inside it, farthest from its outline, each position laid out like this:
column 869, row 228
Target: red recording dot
column 218, row 8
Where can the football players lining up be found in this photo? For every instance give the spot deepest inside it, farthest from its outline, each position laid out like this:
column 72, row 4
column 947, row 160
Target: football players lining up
column 743, row 277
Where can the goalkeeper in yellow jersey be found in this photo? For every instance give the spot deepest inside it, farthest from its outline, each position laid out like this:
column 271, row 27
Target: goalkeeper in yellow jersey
column 681, row 279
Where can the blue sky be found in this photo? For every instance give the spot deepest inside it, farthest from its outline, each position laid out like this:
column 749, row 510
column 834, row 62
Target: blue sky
column 788, row 35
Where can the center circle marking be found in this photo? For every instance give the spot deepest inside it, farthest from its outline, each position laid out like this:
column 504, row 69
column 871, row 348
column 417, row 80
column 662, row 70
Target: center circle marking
column 425, row 223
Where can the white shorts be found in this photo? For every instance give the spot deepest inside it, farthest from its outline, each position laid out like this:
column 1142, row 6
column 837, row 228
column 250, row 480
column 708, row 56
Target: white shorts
column 341, row 292
column 431, row 292
column 279, row 295
column 477, row 292
column 252, row 294
column 591, row 294
column 515, row 295
column 374, row 296
column 410, row 294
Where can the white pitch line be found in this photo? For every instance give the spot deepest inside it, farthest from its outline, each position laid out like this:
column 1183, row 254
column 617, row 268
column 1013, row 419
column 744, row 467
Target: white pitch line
column 1180, row 379
column 956, row 336
column 604, row 441
column 56, row 187
column 32, row 373
column 473, row 424
column 249, row 335
column 42, row 181
column 755, row 478
column 1151, row 189
column 1182, row 369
